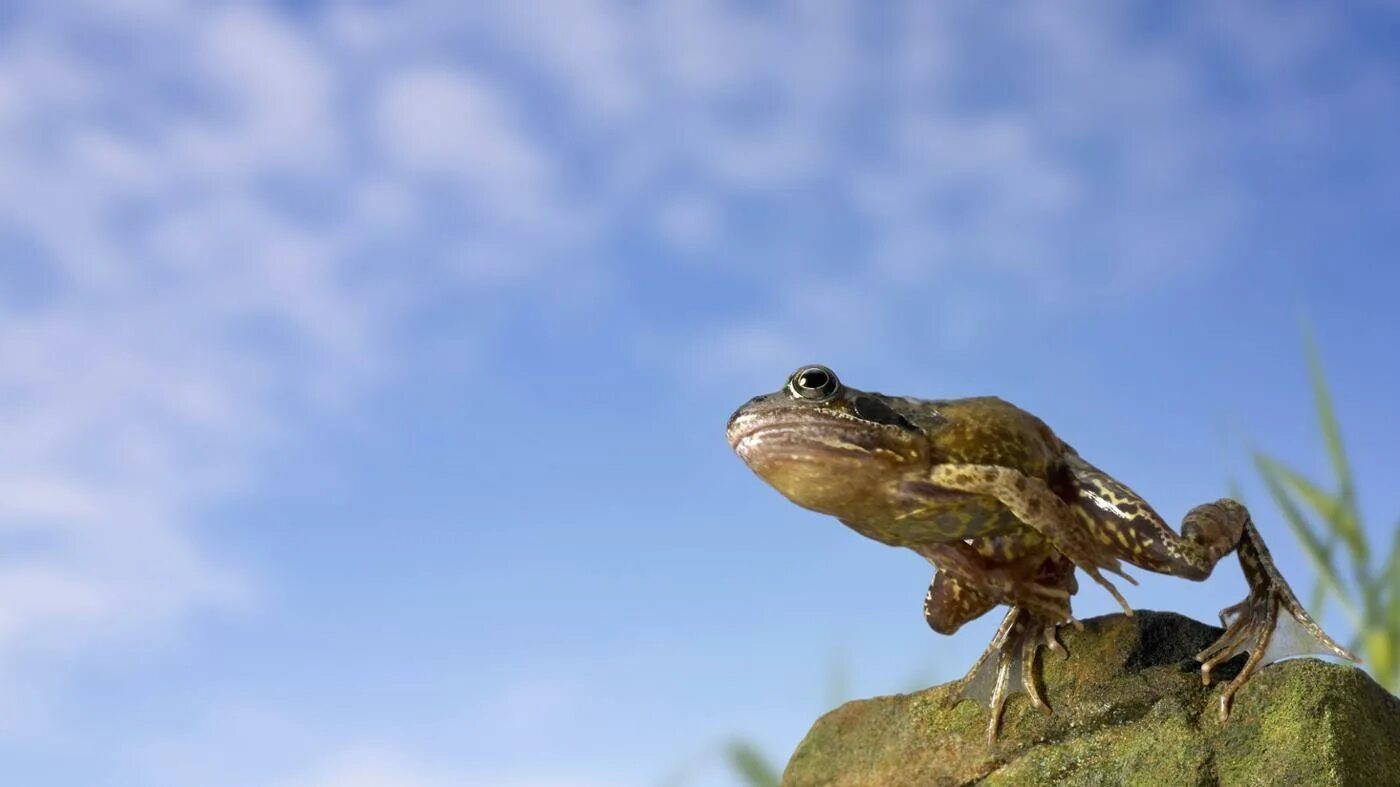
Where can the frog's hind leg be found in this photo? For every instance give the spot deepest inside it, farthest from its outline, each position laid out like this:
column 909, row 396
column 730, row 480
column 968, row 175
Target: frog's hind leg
column 1008, row 665
column 1270, row 623
column 962, row 568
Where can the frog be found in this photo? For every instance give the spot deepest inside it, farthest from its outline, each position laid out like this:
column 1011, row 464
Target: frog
column 1008, row 514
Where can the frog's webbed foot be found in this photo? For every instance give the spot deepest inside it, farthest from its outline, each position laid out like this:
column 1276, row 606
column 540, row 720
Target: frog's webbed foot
column 1008, row 666
column 1270, row 624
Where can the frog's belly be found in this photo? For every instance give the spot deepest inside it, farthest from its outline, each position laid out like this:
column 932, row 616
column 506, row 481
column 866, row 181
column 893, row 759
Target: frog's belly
column 973, row 517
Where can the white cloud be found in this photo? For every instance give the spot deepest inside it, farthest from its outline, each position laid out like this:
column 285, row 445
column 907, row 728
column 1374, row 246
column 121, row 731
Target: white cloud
column 441, row 122
column 245, row 742
column 366, row 766
column 193, row 212
column 688, row 222
column 585, row 38
column 382, row 766
column 133, row 385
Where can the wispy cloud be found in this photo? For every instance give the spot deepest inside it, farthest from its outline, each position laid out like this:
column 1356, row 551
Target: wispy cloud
column 1027, row 154
column 164, row 316
column 367, row 766
column 381, row 766
column 214, row 216
column 187, row 214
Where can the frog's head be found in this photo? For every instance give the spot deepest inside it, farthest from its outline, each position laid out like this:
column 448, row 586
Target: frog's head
column 826, row 446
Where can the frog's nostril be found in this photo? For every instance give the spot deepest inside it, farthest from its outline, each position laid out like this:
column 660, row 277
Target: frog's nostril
column 729, row 427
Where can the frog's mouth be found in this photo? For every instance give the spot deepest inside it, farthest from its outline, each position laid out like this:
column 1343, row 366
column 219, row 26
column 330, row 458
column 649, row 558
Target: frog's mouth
column 760, row 438
column 796, row 440
column 825, row 463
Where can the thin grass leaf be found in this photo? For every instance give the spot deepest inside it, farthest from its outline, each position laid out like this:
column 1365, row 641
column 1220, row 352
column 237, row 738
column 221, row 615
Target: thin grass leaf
column 1326, row 546
column 1339, row 519
column 1380, row 656
column 1392, row 610
column 1372, row 597
column 1332, row 436
column 750, row 765
column 1331, row 509
column 1312, row 544
column 1318, row 596
column 1392, row 561
column 1327, row 420
column 838, row 680
column 1320, row 501
column 1391, row 573
column 1317, row 599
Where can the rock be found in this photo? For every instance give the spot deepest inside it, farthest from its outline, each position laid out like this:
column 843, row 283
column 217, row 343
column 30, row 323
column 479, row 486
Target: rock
column 1129, row 709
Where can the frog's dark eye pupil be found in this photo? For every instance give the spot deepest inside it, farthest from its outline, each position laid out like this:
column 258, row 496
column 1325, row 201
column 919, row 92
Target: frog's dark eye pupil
column 814, row 382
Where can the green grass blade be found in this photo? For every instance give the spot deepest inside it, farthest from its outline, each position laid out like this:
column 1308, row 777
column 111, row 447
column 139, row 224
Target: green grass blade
column 1391, row 572
column 1336, row 452
column 750, row 765
column 1233, row 488
column 1312, row 544
column 1331, row 509
column 1327, row 418
column 1325, row 545
column 1392, row 562
column 838, row 680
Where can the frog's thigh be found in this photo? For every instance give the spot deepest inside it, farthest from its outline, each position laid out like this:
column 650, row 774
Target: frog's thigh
column 1035, row 504
column 1028, row 498
column 950, row 603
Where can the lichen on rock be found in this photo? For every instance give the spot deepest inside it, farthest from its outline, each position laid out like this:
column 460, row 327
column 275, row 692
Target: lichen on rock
column 1129, row 709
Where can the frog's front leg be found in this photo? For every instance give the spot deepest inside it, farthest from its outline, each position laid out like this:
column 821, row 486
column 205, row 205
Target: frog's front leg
column 1034, row 503
column 1008, row 665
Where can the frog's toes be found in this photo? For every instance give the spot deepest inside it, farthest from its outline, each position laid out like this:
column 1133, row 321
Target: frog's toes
column 1270, row 624
column 1228, row 614
column 1008, row 666
column 1109, row 586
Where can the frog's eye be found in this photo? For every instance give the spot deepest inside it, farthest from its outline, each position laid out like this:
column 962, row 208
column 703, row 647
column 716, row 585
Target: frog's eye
column 817, row 383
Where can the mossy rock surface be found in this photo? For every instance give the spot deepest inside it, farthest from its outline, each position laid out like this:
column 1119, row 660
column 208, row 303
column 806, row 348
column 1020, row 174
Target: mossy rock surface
column 1129, row 709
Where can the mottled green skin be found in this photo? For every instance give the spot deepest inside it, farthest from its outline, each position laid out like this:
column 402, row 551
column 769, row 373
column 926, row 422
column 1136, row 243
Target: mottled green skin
column 1129, row 709
column 879, row 485
column 1006, row 511
column 873, row 461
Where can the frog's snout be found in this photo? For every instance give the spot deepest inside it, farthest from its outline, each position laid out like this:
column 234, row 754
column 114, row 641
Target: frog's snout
column 739, row 426
column 729, row 427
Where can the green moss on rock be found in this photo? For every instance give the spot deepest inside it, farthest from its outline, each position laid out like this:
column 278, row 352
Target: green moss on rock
column 1129, row 709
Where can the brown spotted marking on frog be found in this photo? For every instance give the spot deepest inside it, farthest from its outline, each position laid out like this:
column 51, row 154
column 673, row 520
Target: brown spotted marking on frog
column 1006, row 511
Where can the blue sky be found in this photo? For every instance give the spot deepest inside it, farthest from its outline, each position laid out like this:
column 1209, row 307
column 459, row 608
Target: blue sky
column 364, row 366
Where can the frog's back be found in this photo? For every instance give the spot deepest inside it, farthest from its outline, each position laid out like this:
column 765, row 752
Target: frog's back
column 988, row 430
